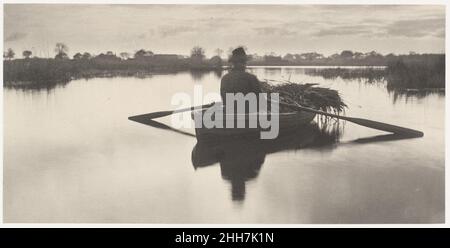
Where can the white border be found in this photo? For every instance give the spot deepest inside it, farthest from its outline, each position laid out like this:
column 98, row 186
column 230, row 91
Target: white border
column 360, row 2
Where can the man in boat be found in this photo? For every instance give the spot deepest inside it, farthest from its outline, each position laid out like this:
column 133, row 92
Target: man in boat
column 243, row 91
column 237, row 80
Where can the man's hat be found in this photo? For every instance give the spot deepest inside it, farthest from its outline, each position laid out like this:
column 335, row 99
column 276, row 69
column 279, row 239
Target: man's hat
column 238, row 55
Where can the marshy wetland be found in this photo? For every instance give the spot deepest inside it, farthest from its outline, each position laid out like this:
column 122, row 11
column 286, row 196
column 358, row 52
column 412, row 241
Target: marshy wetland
column 71, row 155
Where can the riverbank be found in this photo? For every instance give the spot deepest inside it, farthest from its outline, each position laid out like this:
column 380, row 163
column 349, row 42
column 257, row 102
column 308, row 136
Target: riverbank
column 40, row 71
column 410, row 73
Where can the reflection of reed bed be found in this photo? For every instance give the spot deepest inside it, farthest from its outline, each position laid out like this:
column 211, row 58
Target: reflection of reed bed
column 27, row 85
column 328, row 132
column 330, row 127
column 414, row 93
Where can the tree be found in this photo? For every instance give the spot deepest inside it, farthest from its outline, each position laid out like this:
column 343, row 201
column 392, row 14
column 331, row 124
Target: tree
column 86, row 55
column 142, row 53
column 358, row 55
column 289, row 57
column 310, row 56
column 9, row 54
column 110, row 53
column 347, row 54
column 61, row 51
column 77, row 56
column 61, row 48
column 230, row 51
column 216, row 61
column 26, row 54
column 218, row 52
column 335, row 56
column 61, row 56
column 373, row 54
column 243, row 47
column 124, row 55
column 197, row 53
column 391, row 55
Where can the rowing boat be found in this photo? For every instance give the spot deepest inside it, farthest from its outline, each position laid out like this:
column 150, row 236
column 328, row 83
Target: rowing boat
column 288, row 122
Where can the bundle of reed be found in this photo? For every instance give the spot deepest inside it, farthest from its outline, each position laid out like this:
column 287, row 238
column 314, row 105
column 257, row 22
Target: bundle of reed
column 309, row 95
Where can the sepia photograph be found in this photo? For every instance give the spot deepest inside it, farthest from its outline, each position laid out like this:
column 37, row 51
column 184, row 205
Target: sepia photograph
column 224, row 113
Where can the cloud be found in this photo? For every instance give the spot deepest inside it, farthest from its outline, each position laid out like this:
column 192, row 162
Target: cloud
column 346, row 30
column 410, row 28
column 215, row 22
column 15, row 36
column 440, row 34
column 168, row 30
column 274, row 31
column 417, row 28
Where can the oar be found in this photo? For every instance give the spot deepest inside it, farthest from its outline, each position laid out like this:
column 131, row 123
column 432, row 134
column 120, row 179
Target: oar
column 160, row 125
column 363, row 122
column 159, row 114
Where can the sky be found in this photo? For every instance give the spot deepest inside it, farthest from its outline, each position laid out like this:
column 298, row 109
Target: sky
column 281, row 29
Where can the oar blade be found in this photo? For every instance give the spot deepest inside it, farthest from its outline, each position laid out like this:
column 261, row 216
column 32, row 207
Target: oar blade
column 154, row 115
column 160, row 114
column 387, row 127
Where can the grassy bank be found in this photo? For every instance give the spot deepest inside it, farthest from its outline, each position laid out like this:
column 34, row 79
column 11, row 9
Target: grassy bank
column 40, row 71
column 402, row 73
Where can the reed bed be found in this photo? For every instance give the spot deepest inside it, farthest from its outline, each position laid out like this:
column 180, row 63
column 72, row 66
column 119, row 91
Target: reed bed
column 421, row 75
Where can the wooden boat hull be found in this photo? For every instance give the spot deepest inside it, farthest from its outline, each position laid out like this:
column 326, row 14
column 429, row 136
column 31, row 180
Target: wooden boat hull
column 288, row 122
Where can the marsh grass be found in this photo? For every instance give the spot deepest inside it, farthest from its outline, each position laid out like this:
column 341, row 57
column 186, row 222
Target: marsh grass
column 418, row 76
column 422, row 75
column 44, row 72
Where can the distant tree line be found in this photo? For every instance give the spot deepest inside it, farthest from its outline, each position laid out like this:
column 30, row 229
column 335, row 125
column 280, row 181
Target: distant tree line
column 197, row 57
column 345, row 58
column 85, row 65
column 411, row 70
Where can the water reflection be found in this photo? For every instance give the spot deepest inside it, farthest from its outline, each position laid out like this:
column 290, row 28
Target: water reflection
column 399, row 94
column 81, row 149
column 198, row 75
column 241, row 159
column 157, row 124
column 35, row 86
column 368, row 75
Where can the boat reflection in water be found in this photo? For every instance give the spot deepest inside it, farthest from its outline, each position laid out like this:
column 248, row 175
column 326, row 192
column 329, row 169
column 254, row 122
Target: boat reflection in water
column 241, row 159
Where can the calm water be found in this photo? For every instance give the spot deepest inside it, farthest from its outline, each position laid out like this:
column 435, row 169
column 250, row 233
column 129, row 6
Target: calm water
column 71, row 155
